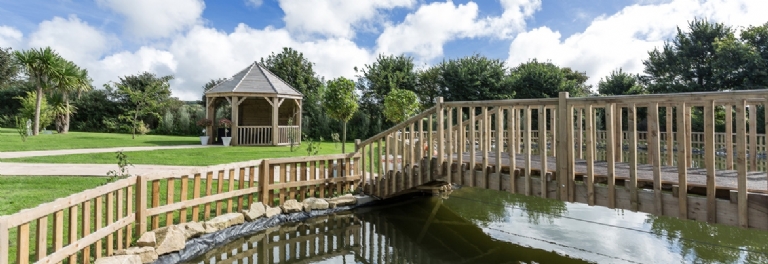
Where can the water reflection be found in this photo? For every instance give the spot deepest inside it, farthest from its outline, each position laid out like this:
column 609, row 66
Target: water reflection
column 486, row 226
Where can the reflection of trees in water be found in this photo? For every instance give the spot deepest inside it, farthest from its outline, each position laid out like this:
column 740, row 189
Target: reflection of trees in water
column 465, row 202
column 700, row 241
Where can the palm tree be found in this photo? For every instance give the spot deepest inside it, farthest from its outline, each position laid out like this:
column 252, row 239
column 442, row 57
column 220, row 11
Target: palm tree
column 68, row 78
column 39, row 65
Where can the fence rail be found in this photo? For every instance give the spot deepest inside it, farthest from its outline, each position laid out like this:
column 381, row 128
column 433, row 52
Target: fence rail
column 97, row 222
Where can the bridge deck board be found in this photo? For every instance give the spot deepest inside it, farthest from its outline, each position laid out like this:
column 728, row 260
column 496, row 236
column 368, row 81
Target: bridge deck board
column 697, row 177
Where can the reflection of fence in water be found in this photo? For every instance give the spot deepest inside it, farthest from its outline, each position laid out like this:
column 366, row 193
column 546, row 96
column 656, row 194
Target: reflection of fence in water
column 316, row 239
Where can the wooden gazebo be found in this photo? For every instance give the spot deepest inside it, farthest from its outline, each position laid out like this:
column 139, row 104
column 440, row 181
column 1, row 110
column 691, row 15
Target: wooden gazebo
column 262, row 104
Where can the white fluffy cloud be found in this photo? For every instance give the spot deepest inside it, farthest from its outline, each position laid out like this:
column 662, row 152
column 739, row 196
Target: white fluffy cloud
column 623, row 39
column 73, row 38
column 10, row 37
column 153, row 19
column 334, row 18
column 424, row 32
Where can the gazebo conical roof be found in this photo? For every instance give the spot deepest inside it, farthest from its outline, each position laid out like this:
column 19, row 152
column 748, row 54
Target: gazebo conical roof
column 254, row 80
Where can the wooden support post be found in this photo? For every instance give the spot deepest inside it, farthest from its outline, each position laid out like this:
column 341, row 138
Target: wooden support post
column 752, row 138
column 448, row 146
column 688, row 138
column 42, row 234
column 472, row 146
column 485, row 135
column 610, row 149
column 542, row 150
column 196, row 194
column 208, row 192
column 85, row 230
column 275, row 129
column 141, row 207
column 741, row 163
column 562, row 145
column 511, row 147
column 729, row 136
column 499, row 143
column 590, row 155
column 580, row 133
column 709, row 160
column 440, row 136
column 210, row 111
column 264, row 182
column 632, row 137
column 654, row 154
column 235, row 104
column 571, row 157
column 682, row 169
column 670, row 142
column 553, row 130
column 462, row 140
column 619, row 138
column 527, row 139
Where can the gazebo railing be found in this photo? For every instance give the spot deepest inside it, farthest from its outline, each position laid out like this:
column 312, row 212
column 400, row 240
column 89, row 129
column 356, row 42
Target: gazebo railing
column 284, row 134
column 254, row 135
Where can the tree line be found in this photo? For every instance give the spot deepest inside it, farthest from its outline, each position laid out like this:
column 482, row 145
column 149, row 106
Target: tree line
column 705, row 56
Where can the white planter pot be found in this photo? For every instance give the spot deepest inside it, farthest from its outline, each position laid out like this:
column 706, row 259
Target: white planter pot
column 204, row 140
column 226, row 140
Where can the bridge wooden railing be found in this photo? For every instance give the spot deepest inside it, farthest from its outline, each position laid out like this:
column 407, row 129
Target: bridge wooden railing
column 471, row 142
column 96, row 222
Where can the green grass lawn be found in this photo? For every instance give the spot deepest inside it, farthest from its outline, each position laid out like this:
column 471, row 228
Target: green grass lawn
column 11, row 141
column 190, row 157
column 20, row 192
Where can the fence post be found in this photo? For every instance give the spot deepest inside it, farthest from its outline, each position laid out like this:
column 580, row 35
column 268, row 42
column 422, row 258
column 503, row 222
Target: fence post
column 440, row 137
column 357, row 145
column 140, row 196
column 264, row 182
column 562, row 146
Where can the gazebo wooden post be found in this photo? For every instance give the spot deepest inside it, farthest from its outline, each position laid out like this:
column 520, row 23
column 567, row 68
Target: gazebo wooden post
column 300, row 111
column 275, row 130
column 210, row 112
column 235, row 105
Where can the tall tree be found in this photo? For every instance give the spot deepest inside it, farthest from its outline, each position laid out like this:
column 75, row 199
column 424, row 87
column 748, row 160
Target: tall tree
column 147, row 94
column 39, row 65
column 379, row 78
column 742, row 63
column 427, row 86
column 296, row 70
column 400, row 104
column 536, row 79
column 291, row 66
column 474, row 78
column 340, row 102
column 9, row 68
column 686, row 64
column 67, row 78
column 620, row 83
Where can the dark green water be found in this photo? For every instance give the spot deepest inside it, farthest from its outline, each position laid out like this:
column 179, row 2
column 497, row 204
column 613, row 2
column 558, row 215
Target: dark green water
column 486, row 226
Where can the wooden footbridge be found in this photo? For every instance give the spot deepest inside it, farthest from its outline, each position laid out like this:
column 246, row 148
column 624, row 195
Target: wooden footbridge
column 586, row 150
column 555, row 143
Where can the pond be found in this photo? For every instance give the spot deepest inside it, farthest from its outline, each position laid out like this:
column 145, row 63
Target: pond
column 485, row 226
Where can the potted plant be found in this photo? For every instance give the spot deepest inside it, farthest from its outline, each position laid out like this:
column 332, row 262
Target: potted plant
column 227, row 137
column 204, row 123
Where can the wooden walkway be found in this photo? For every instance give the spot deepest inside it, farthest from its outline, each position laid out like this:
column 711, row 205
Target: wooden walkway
column 697, row 177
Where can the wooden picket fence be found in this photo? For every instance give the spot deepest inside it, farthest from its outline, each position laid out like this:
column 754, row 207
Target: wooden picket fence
column 96, row 222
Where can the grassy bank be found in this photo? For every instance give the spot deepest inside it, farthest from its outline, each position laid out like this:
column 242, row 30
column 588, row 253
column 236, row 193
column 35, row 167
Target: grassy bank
column 11, row 141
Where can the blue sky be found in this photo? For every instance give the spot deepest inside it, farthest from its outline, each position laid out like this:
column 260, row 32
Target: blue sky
column 197, row 41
